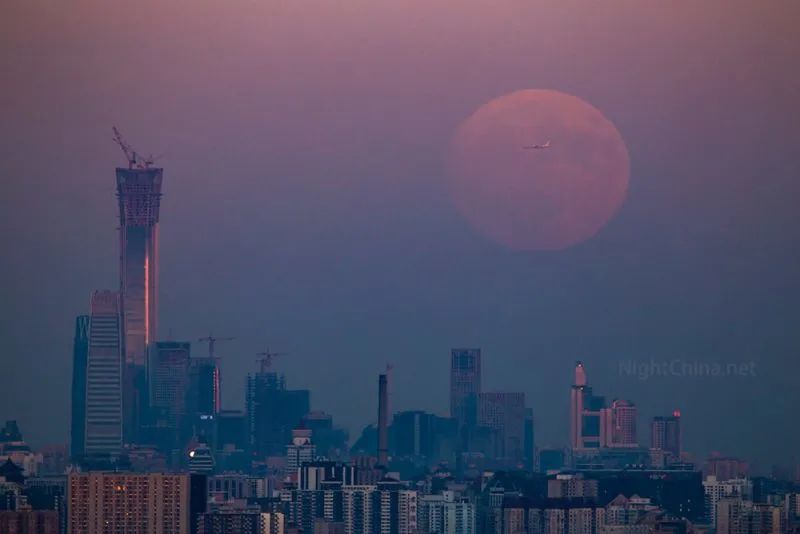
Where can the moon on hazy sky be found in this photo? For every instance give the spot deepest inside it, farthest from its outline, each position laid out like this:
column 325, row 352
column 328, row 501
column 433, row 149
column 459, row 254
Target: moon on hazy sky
column 538, row 199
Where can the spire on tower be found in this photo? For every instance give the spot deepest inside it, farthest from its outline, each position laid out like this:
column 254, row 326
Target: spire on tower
column 580, row 374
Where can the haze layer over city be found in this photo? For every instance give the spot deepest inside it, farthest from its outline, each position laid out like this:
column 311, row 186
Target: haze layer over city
column 319, row 199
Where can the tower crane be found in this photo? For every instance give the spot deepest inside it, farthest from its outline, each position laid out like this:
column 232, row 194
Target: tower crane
column 212, row 342
column 265, row 358
column 135, row 160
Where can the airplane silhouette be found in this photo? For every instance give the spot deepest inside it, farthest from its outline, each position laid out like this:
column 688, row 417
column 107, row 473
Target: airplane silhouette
column 537, row 147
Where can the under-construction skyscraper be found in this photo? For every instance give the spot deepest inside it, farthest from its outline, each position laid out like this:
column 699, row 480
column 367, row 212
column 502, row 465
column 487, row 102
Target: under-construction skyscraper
column 139, row 194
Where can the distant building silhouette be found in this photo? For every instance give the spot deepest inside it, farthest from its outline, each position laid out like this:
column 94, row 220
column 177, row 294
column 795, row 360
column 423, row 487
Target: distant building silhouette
column 169, row 387
column 465, row 387
column 202, row 398
column 383, row 420
column 80, row 356
column 725, row 467
column 273, row 411
column 330, row 440
column 619, row 424
column 504, row 413
column 666, row 434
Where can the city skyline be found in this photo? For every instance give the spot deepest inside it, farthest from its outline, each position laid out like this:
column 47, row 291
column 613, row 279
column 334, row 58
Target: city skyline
column 306, row 205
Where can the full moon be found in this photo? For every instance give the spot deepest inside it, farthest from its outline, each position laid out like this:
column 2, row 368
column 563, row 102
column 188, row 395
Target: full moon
column 525, row 194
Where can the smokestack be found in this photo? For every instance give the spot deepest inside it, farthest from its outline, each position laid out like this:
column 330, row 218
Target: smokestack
column 383, row 421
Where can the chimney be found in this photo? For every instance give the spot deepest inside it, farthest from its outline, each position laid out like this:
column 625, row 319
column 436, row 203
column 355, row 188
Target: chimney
column 383, row 421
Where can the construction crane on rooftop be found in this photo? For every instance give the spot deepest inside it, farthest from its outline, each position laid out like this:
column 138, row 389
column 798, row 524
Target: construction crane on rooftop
column 212, row 343
column 265, row 359
column 135, row 160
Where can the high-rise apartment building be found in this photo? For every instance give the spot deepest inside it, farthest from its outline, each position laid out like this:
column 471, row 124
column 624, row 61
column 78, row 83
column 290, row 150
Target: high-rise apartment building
column 465, row 386
column 445, row 513
column 385, row 508
column 241, row 522
column 139, row 195
column 29, row 522
column 736, row 516
column 715, row 490
column 80, row 357
column 571, row 486
column 102, row 502
column 358, row 507
column 104, row 424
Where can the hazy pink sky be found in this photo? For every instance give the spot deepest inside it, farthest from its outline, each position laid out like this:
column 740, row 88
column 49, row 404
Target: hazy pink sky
column 305, row 205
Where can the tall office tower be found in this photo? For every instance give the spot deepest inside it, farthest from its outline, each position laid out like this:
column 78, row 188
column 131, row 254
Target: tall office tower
column 383, row 421
column 273, row 412
column 666, row 434
column 414, row 435
column 203, row 397
column 100, row 502
column 529, row 443
column 80, row 355
column 231, row 430
column 465, row 386
column 300, row 451
column 169, row 382
column 504, row 412
column 331, row 440
column 585, row 413
column 139, row 195
column 619, row 424
column 104, row 425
